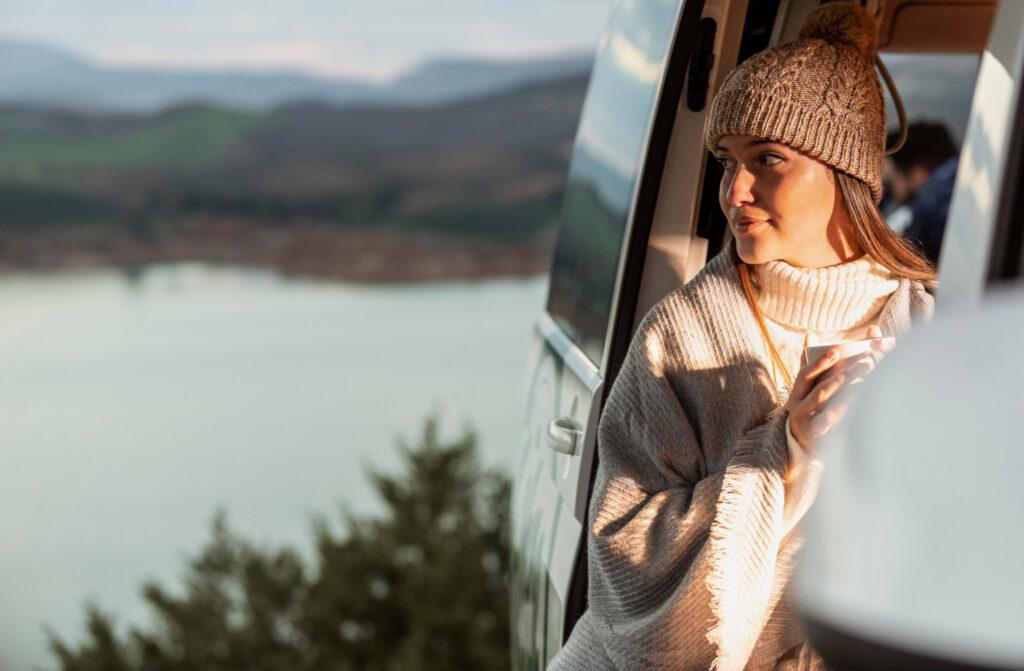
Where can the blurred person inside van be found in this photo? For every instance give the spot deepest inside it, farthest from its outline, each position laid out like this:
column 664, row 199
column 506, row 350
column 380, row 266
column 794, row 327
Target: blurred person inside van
column 919, row 185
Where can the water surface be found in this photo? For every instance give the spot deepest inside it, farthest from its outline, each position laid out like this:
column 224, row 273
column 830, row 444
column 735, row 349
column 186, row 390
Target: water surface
column 131, row 408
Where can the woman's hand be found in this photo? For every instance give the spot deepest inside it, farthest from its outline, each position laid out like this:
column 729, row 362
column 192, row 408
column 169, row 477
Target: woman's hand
column 821, row 392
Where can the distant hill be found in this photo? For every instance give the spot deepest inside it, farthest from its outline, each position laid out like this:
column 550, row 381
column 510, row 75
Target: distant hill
column 450, row 79
column 531, row 116
column 363, row 192
column 42, row 75
column 198, row 181
column 37, row 74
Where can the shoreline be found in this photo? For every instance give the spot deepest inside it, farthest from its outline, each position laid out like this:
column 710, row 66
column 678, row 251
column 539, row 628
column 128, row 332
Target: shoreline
column 359, row 256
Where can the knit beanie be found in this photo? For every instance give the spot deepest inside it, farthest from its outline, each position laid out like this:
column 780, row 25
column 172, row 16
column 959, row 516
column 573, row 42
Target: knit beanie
column 819, row 94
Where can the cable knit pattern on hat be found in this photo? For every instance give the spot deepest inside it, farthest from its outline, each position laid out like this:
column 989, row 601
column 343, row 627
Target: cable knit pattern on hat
column 819, row 95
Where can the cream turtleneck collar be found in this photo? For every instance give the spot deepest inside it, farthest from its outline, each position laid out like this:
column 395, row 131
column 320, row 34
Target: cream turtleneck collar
column 833, row 298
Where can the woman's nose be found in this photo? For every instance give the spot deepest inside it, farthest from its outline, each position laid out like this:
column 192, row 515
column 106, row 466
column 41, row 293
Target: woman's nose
column 741, row 187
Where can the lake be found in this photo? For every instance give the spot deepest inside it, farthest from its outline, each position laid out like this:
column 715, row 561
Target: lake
column 133, row 406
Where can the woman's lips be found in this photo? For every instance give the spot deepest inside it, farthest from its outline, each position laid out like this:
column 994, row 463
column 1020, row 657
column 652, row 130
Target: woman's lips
column 745, row 226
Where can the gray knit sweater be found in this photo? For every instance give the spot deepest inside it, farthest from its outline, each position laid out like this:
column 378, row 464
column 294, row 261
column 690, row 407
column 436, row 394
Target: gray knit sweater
column 689, row 549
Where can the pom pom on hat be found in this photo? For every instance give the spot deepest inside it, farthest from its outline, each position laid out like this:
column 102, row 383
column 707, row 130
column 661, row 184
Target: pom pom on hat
column 843, row 23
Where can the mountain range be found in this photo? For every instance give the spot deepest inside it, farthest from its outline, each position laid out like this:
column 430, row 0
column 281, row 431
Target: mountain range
column 350, row 165
column 41, row 75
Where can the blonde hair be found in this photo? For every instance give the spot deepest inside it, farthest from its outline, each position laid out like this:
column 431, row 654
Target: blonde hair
column 875, row 238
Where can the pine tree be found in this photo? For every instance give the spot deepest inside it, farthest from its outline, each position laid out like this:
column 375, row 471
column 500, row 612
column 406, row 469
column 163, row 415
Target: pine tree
column 422, row 586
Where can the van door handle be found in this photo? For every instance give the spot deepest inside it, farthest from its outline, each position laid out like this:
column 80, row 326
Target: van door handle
column 563, row 435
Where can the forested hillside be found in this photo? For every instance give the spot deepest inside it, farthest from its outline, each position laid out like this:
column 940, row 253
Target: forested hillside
column 460, row 189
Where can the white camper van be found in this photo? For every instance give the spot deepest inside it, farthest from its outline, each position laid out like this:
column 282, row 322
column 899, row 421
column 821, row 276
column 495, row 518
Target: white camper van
column 641, row 217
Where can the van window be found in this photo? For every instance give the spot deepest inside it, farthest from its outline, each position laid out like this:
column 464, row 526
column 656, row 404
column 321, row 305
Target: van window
column 934, row 86
column 936, row 90
column 613, row 133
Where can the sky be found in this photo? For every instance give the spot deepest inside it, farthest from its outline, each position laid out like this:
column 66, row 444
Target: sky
column 366, row 39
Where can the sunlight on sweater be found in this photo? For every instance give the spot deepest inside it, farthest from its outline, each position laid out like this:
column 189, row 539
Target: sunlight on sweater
column 698, row 352
column 655, row 353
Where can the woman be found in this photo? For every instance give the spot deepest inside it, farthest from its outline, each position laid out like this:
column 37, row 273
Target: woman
column 706, row 460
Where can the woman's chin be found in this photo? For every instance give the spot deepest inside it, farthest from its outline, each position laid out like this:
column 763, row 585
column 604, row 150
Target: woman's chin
column 752, row 253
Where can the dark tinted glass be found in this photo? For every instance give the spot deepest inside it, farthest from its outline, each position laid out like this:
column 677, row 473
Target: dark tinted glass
column 614, row 127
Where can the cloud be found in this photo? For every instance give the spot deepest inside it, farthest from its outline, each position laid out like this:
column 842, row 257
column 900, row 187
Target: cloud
column 374, row 38
column 317, row 57
column 632, row 59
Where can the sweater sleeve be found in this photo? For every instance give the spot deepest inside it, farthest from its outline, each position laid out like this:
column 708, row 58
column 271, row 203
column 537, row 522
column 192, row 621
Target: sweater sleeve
column 802, row 479
column 682, row 563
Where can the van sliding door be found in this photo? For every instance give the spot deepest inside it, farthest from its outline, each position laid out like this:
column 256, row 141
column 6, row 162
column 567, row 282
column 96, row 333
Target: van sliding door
column 593, row 274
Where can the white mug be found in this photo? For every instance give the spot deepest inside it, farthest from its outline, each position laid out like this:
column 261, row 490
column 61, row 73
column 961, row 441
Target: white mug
column 846, row 349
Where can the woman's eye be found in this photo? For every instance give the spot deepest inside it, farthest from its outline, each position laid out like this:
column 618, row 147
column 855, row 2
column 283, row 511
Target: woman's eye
column 724, row 161
column 771, row 159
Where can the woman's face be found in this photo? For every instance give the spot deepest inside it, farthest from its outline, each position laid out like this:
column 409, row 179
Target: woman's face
column 783, row 205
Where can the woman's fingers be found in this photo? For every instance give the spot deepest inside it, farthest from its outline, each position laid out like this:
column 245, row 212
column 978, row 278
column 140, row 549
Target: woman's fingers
column 853, row 368
column 814, row 414
column 806, row 376
column 825, row 389
column 822, row 389
column 882, row 347
column 809, row 421
column 822, row 422
column 885, row 345
column 807, row 426
column 838, row 383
